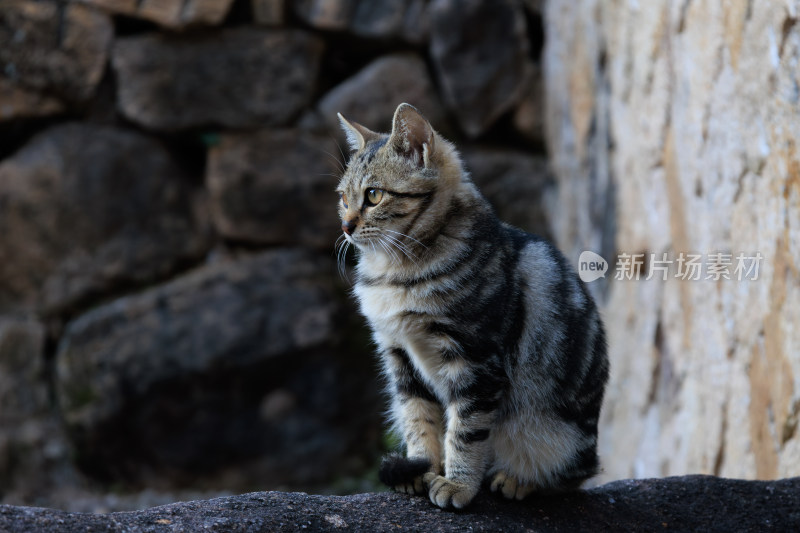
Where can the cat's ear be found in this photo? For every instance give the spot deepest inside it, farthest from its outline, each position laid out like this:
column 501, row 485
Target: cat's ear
column 412, row 135
column 357, row 135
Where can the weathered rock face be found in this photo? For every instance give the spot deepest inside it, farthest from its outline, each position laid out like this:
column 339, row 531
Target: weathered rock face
column 169, row 13
column 700, row 102
column 88, row 208
column 692, row 503
column 142, row 377
column 479, row 50
column 236, row 78
column 275, row 188
column 50, row 51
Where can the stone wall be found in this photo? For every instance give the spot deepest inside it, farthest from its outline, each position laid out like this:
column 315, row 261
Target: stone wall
column 171, row 316
column 673, row 128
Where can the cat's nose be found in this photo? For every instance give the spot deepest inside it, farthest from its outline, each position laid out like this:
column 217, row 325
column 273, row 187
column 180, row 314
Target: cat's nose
column 348, row 226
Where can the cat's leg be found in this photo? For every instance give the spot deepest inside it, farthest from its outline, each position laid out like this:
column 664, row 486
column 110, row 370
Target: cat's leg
column 470, row 418
column 419, row 417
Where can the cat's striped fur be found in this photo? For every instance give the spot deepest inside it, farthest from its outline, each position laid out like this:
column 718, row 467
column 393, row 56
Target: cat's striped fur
column 494, row 350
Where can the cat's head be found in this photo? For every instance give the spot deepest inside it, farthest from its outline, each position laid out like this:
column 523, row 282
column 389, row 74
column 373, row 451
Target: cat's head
column 395, row 185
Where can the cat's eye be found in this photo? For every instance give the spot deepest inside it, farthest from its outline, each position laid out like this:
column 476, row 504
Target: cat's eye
column 374, row 196
column 344, row 199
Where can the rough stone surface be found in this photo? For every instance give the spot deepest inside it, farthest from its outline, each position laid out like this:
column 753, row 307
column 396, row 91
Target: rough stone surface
column 23, row 391
column 371, row 96
column 326, row 14
column 86, row 209
column 694, row 503
column 233, row 358
column 168, row 13
column 34, row 455
column 275, row 187
column 518, row 185
column 391, row 20
column 269, row 12
column 700, row 103
column 479, row 50
column 375, row 19
column 57, row 50
column 241, row 77
column 18, row 102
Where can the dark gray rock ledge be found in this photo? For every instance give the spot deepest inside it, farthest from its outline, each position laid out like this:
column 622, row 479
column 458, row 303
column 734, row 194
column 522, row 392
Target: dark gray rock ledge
column 691, row 503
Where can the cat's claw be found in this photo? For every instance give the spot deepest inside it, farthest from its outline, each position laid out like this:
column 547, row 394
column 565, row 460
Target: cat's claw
column 510, row 487
column 447, row 493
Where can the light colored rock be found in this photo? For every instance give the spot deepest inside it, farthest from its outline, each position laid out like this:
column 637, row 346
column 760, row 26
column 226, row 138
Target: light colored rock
column 169, row 13
column 701, row 104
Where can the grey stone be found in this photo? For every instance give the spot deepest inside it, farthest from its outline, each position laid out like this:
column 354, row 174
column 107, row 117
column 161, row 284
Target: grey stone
column 54, row 49
column 241, row 77
column 391, row 20
column 275, row 187
column 326, row 14
column 23, row 387
column 269, row 12
column 479, row 50
column 172, row 382
column 20, row 102
column 169, row 13
column 519, row 186
column 371, row 96
column 372, row 19
column 692, row 503
column 87, row 210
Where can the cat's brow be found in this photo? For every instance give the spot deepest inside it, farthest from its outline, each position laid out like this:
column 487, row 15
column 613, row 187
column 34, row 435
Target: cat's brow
column 409, row 194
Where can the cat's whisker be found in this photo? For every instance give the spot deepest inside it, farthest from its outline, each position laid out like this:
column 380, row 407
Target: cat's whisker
column 342, row 245
column 338, row 161
column 408, row 237
column 403, row 248
column 394, row 254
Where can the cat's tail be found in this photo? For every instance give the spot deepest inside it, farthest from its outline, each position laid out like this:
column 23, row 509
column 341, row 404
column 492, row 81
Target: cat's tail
column 398, row 470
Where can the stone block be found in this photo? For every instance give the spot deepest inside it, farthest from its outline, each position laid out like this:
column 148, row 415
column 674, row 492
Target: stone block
column 275, row 187
column 88, row 211
column 243, row 77
column 479, row 50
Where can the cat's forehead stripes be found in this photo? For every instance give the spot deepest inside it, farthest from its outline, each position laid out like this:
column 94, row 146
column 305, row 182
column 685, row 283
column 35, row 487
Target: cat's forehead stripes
column 370, row 150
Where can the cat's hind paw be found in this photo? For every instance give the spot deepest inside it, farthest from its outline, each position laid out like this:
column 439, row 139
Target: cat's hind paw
column 510, row 487
column 414, row 487
column 448, row 493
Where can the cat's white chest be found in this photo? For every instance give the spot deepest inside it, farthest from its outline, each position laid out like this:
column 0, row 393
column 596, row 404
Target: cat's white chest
column 396, row 315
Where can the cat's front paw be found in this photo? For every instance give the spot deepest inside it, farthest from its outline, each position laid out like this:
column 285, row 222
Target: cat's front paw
column 510, row 487
column 448, row 493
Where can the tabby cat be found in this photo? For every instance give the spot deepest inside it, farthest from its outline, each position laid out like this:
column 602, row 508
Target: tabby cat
column 493, row 349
